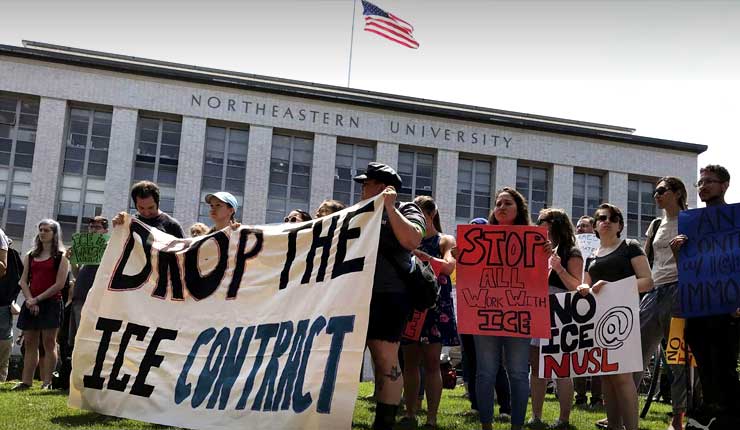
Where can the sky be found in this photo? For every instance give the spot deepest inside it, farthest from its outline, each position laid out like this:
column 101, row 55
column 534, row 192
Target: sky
column 669, row 69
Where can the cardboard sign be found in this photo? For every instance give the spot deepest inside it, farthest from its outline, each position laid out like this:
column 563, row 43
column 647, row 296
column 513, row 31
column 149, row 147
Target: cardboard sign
column 502, row 281
column 677, row 349
column 587, row 243
column 88, row 248
column 709, row 262
column 596, row 334
column 261, row 327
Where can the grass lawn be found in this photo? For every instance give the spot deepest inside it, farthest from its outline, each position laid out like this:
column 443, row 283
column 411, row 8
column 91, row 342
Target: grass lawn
column 41, row 410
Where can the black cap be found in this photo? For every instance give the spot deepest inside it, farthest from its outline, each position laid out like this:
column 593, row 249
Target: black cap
column 381, row 173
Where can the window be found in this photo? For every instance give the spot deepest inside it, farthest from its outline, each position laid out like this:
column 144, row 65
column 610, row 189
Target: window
column 641, row 208
column 83, row 172
column 225, row 166
column 416, row 170
column 588, row 193
column 157, row 150
column 290, row 176
column 533, row 184
column 351, row 161
column 474, row 178
column 18, row 121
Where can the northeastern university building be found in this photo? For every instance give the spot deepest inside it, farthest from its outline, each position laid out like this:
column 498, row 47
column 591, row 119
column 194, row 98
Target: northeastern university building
column 78, row 127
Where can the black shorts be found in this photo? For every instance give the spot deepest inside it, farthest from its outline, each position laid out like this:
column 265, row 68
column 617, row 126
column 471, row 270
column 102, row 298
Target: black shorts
column 50, row 316
column 389, row 313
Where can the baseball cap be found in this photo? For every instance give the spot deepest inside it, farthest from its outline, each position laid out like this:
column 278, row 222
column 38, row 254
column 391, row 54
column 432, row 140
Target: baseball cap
column 382, row 173
column 479, row 221
column 224, row 197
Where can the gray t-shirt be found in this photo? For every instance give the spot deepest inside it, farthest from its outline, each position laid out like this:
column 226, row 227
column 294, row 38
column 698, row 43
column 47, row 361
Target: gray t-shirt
column 664, row 264
column 617, row 264
column 387, row 279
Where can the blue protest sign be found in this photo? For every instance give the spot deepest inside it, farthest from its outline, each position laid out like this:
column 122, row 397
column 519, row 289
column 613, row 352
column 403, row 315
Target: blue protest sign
column 709, row 262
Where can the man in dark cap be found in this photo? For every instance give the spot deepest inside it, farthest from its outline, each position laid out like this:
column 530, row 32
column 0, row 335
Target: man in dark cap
column 390, row 307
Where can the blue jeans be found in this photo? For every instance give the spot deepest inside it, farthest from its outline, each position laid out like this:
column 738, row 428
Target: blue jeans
column 488, row 350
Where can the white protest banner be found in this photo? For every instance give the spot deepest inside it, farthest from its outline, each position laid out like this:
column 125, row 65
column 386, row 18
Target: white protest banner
column 260, row 327
column 596, row 334
column 587, row 243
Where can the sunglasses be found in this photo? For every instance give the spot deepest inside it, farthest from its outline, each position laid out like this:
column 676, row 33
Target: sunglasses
column 542, row 221
column 661, row 190
column 603, row 218
column 291, row 219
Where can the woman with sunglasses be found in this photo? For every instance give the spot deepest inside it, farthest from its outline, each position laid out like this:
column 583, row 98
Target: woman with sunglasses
column 616, row 259
column 297, row 215
column 510, row 209
column 566, row 265
column 657, row 306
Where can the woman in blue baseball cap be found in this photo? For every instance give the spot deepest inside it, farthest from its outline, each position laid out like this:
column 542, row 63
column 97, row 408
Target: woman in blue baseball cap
column 223, row 209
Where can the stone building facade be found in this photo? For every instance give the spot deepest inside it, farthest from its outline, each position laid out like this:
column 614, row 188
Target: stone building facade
column 78, row 127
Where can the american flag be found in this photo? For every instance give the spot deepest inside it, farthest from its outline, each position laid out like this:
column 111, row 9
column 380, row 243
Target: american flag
column 387, row 25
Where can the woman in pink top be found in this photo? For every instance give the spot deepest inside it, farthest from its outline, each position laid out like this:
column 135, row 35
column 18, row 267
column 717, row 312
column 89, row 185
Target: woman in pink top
column 44, row 275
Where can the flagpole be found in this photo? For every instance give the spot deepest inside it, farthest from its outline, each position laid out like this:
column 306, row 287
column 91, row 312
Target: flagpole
column 351, row 41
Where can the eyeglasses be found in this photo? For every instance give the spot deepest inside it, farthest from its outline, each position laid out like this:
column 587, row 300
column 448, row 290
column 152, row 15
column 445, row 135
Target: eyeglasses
column 661, row 190
column 603, row 218
column 702, row 182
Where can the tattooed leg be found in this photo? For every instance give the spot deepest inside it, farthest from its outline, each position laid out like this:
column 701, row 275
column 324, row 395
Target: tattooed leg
column 394, row 374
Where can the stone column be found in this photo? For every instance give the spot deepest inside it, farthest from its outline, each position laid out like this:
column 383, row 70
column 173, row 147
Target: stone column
column 258, row 174
column 322, row 170
column 387, row 153
column 505, row 174
column 445, row 188
column 190, row 170
column 617, row 194
column 47, row 165
column 562, row 187
column 120, row 161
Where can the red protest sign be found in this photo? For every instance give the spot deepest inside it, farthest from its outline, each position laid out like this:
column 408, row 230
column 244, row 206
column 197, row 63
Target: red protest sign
column 502, row 281
column 412, row 331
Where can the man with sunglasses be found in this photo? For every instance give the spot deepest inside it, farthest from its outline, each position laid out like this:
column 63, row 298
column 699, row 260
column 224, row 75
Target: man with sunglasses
column 714, row 339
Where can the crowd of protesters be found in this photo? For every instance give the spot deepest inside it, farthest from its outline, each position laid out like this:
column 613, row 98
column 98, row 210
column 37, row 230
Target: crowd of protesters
column 506, row 366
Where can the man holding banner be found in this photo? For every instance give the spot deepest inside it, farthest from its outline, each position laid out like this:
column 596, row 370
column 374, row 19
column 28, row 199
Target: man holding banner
column 708, row 275
column 402, row 228
column 258, row 326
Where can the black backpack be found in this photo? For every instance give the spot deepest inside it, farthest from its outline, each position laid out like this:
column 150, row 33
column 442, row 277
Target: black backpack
column 9, row 284
column 421, row 283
